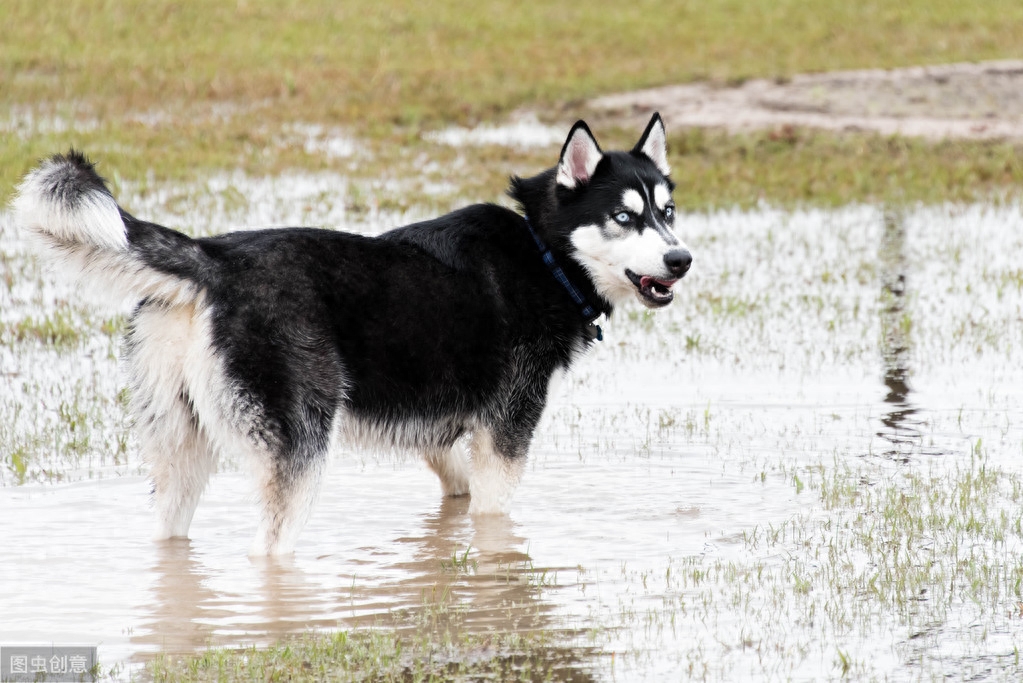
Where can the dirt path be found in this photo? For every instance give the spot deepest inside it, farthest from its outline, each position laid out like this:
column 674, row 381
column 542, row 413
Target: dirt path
column 982, row 100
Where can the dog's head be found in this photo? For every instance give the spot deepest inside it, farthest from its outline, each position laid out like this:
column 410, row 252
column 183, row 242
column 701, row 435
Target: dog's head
column 623, row 215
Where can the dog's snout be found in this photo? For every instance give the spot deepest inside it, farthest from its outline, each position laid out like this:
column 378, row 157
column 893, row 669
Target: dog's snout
column 678, row 261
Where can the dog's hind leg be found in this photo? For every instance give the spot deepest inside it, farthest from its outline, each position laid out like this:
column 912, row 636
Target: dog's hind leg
column 289, row 486
column 181, row 460
column 173, row 443
column 451, row 465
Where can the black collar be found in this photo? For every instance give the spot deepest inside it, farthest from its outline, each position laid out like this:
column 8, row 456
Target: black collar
column 589, row 313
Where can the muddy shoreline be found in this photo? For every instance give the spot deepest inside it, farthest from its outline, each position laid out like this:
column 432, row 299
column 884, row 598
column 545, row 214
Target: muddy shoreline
column 973, row 100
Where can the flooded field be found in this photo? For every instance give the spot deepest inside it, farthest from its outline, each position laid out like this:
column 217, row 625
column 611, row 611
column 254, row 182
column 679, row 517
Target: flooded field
column 810, row 465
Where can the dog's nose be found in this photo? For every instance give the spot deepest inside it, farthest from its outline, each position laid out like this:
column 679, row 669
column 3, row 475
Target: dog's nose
column 678, row 261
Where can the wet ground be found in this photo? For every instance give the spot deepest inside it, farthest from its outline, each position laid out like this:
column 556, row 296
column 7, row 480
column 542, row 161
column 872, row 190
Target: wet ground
column 808, row 466
column 969, row 100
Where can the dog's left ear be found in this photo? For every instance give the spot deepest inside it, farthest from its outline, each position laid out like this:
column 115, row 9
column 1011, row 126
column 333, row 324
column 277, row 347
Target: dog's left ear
column 579, row 157
column 654, row 144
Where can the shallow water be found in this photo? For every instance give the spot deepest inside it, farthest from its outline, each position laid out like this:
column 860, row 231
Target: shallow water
column 803, row 346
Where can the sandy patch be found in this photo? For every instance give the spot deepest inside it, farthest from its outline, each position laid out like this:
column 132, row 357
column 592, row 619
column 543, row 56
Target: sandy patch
column 982, row 100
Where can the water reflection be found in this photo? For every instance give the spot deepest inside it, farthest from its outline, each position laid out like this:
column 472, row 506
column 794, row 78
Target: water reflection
column 900, row 426
column 420, row 581
column 179, row 600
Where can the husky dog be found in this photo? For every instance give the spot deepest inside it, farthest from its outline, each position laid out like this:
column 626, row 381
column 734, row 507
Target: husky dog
column 436, row 337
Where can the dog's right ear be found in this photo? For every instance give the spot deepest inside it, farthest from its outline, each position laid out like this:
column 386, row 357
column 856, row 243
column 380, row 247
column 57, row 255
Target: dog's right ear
column 579, row 157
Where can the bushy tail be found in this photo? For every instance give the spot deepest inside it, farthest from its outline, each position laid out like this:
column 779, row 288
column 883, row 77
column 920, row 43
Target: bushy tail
column 67, row 208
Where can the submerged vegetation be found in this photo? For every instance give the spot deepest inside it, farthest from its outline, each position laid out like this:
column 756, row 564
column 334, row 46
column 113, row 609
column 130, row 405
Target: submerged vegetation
column 386, row 656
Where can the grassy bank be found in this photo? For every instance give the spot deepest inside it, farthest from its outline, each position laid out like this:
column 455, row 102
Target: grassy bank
column 801, row 166
column 401, row 60
column 179, row 89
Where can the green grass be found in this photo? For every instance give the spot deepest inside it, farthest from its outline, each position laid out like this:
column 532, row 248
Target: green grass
column 181, row 88
column 801, row 166
column 383, row 655
column 58, row 329
column 403, row 60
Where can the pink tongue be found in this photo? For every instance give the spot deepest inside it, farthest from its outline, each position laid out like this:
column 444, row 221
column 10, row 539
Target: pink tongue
column 645, row 281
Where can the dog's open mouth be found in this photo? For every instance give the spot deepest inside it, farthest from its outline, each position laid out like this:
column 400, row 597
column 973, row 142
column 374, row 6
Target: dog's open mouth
column 654, row 291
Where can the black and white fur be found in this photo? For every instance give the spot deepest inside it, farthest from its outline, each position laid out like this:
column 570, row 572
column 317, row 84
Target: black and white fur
column 284, row 344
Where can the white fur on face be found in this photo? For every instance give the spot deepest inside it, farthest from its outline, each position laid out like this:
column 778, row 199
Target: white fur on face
column 606, row 259
column 661, row 195
column 633, row 201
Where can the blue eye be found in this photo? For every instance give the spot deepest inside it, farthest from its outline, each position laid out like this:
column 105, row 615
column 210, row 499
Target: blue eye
column 622, row 218
column 669, row 211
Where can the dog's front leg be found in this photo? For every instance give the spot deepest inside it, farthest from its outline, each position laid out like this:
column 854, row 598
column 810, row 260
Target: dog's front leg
column 496, row 469
column 452, row 468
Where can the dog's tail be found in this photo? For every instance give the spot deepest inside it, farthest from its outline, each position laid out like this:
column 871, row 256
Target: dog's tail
column 66, row 206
